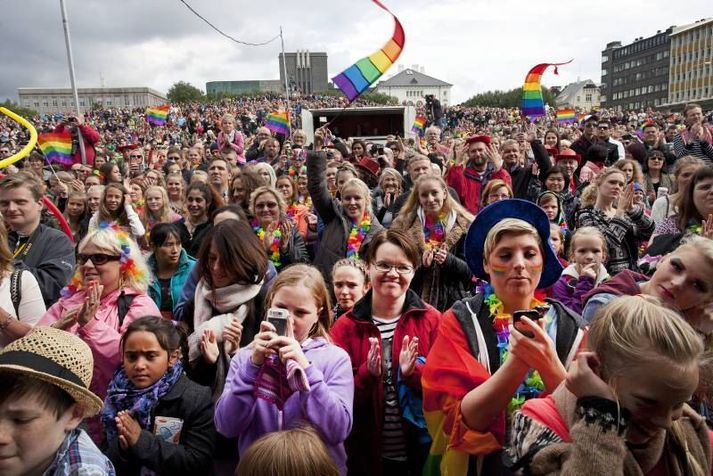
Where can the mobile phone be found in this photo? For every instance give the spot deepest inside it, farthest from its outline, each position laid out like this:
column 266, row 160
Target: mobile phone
column 532, row 314
column 278, row 318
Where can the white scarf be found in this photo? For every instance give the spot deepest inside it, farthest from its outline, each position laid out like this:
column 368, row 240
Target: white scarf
column 223, row 300
column 451, row 218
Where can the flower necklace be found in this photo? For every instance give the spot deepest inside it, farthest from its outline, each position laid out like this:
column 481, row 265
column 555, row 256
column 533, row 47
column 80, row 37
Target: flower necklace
column 292, row 209
column 357, row 234
column 533, row 385
column 694, row 227
column 434, row 232
column 274, row 254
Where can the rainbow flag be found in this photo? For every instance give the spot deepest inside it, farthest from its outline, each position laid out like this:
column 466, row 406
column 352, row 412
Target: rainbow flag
column 566, row 116
column 278, row 122
column 57, row 146
column 358, row 77
column 533, row 105
column 157, row 115
column 419, row 125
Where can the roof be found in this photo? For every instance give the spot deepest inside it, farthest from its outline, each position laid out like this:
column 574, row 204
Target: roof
column 411, row 77
column 691, row 26
column 571, row 90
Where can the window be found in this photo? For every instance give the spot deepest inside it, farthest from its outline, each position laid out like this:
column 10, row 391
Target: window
column 605, row 58
column 588, row 97
column 37, row 104
column 603, row 98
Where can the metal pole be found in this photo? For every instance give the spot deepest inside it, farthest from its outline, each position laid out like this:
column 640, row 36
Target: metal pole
column 287, row 86
column 70, row 62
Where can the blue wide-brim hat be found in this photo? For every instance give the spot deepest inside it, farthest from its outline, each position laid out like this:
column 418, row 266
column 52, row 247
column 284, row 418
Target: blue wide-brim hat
column 511, row 208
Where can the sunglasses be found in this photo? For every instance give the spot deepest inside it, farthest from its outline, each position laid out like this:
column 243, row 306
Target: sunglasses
column 98, row 259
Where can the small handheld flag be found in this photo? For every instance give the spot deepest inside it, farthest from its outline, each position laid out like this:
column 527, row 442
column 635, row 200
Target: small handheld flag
column 565, row 116
column 278, row 122
column 157, row 115
column 419, row 125
column 57, row 147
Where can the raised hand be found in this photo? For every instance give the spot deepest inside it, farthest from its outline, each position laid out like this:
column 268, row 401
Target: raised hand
column 373, row 358
column 209, row 346
column 582, row 381
column 407, row 356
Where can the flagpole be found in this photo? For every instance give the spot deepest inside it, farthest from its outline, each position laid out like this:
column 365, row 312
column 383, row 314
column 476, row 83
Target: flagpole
column 70, row 63
column 287, row 86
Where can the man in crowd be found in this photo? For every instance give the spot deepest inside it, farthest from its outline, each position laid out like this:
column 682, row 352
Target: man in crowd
column 697, row 138
column 45, row 252
column 654, row 140
column 614, row 147
column 588, row 137
column 255, row 149
column 219, row 177
column 76, row 126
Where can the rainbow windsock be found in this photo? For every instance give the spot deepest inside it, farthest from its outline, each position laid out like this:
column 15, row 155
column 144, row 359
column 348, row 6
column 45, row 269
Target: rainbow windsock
column 565, row 116
column 57, row 147
column 533, row 105
column 358, row 77
column 419, row 125
column 278, row 122
column 157, row 115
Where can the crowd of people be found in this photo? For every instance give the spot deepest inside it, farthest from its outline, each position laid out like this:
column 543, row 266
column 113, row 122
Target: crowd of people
column 499, row 296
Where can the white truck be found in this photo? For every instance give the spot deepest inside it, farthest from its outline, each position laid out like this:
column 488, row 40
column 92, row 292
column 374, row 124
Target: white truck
column 369, row 123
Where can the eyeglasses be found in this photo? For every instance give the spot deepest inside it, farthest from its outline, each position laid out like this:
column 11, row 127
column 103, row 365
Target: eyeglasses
column 384, row 267
column 656, row 157
column 138, row 156
column 260, row 206
column 98, row 259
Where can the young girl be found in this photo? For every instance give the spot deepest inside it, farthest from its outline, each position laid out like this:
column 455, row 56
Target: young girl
column 299, row 376
column 622, row 408
column 229, row 137
column 115, row 208
column 155, row 418
column 157, row 210
column 175, row 186
column 77, row 214
column 350, row 282
column 557, row 240
column 588, row 253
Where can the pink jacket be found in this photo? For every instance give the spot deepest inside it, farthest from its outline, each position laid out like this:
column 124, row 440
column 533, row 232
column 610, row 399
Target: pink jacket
column 238, row 145
column 102, row 333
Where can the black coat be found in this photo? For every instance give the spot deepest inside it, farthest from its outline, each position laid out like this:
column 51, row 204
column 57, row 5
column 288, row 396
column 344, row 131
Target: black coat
column 191, row 403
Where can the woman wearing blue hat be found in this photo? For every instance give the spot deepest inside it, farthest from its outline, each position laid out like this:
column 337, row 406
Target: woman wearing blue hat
column 500, row 347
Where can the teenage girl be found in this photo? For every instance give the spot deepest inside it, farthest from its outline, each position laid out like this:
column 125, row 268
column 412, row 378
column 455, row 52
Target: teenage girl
column 350, row 282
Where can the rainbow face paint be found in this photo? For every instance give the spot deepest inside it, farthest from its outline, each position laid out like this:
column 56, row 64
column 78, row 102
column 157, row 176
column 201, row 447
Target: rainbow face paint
column 498, row 270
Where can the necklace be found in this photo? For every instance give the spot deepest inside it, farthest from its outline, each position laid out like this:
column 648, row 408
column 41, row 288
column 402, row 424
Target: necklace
column 357, row 234
column 434, row 232
column 274, row 253
column 532, row 386
column 694, row 227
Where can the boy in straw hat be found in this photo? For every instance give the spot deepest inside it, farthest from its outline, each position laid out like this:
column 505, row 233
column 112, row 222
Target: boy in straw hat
column 44, row 396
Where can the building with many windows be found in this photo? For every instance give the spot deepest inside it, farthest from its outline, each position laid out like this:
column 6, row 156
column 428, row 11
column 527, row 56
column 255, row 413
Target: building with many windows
column 216, row 88
column 61, row 100
column 306, row 71
column 635, row 76
column 691, row 78
column 582, row 95
column 411, row 87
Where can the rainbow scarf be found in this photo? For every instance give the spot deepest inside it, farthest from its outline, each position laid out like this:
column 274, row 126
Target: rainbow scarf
column 57, row 147
column 565, row 116
column 358, row 77
column 434, row 231
column 419, row 125
column 357, row 234
column 279, row 123
column 533, row 104
column 157, row 115
column 274, row 254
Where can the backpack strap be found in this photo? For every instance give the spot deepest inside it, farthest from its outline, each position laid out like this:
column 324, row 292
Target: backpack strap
column 16, row 290
column 124, row 303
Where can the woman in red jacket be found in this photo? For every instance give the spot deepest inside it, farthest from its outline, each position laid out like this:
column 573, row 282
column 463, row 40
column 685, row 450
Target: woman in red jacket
column 388, row 335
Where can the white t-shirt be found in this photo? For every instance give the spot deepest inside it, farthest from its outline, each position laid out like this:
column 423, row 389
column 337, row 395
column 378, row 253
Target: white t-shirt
column 32, row 306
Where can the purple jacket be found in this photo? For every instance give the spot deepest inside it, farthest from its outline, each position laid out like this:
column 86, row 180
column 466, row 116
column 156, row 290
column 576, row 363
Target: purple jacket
column 327, row 406
column 571, row 288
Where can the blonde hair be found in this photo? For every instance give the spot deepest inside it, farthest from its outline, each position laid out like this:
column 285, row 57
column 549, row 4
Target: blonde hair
column 589, row 194
column 357, row 264
column 306, row 276
column 164, row 213
column 591, row 231
column 508, row 226
column 265, row 189
column 637, row 176
column 412, row 202
column 296, row 452
column 257, row 168
column 6, row 259
column 363, row 191
column 388, row 171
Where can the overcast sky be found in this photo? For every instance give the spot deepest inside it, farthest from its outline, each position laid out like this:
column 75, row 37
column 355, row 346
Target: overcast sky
column 474, row 44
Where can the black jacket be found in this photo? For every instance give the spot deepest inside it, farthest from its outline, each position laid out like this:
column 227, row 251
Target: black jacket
column 191, row 403
column 49, row 256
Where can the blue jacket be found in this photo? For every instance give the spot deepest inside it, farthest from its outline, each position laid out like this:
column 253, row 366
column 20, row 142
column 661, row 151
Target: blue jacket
column 185, row 265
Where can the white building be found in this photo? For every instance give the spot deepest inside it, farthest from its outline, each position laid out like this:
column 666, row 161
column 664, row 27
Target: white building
column 52, row 100
column 411, row 87
column 582, row 95
column 691, row 73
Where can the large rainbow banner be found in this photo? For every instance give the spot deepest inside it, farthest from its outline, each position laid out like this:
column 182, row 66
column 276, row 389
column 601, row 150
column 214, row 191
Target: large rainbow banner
column 358, row 77
column 533, row 104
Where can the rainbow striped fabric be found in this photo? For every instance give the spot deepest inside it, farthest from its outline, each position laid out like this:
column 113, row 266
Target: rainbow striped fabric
column 419, row 125
column 57, row 147
column 278, row 122
column 533, row 105
column 157, row 115
column 358, row 77
column 566, row 116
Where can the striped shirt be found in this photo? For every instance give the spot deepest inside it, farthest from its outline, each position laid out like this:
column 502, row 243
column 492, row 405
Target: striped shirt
column 393, row 440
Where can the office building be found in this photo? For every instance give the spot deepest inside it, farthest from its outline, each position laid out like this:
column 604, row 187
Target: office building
column 691, row 78
column 215, row 88
column 306, row 71
column 61, row 100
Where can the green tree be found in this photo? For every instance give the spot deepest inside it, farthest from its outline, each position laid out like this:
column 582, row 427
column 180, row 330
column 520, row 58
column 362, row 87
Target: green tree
column 25, row 112
column 511, row 98
column 379, row 98
column 182, row 92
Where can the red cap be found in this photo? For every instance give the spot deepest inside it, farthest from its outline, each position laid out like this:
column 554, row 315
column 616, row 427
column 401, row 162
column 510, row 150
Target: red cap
column 568, row 154
column 483, row 139
column 369, row 165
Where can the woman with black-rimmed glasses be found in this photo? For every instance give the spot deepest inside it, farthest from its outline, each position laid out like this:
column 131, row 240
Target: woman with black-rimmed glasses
column 387, row 334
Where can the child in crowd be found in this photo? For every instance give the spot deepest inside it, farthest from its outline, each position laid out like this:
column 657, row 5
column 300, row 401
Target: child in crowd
column 44, row 396
column 288, row 378
column 155, row 417
column 116, row 208
column 588, row 253
column 350, row 283
column 557, row 240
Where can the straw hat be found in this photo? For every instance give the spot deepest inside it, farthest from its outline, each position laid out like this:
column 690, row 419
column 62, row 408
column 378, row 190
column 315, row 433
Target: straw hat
column 57, row 357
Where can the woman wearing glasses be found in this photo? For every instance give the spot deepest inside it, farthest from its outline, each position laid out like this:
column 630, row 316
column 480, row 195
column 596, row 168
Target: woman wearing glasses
column 388, row 334
column 107, row 292
column 655, row 176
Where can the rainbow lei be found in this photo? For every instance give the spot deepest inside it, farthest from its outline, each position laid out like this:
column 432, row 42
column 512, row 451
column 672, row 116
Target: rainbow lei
column 357, row 235
column 434, row 232
column 533, row 385
column 696, row 228
column 292, row 209
column 274, row 246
